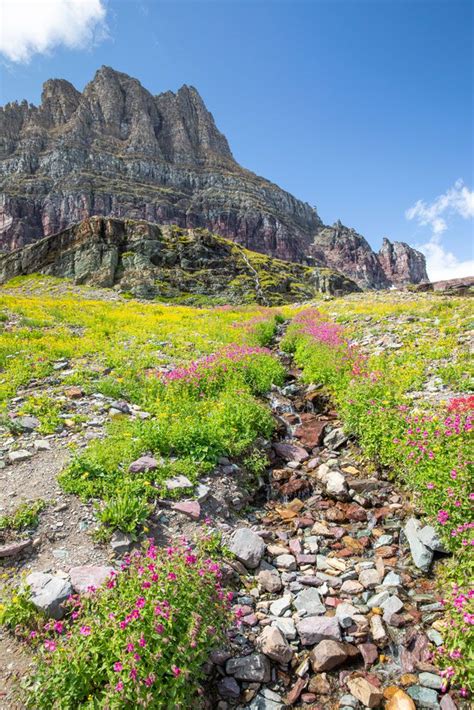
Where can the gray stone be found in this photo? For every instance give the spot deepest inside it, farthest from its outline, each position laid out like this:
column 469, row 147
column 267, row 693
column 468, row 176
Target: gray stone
column 424, row 697
column 314, row 629
column 120, row 542
column 253, row 668
column 48, row 593
column 286, row 625
column 422, row 556
column 335, row 439
column 286, row 562
column 19, row 456
column 391, row 606
column 309, row 602
column 247, row 546
column 392, row 580
column 429, row 536
column 430, row 680
column 202, row 492
column 178, row 483
column 376, row 600
column 345, row 614
column 279, row 606
column 27, row 424
column 228, row 688
column 369, row 578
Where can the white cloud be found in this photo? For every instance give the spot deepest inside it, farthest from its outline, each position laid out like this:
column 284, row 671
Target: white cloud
column 31, row 27
column 457, row 201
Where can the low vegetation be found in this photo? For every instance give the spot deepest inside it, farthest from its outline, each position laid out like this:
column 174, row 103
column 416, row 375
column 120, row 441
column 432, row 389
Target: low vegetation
column 423, row 442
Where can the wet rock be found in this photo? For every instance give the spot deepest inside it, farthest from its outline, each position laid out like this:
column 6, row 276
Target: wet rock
column 327, row 654
column 400, row 701
column 422, row 556
column 247, row 546
column 48, row 592
column 253, row 668
column 335, row 439
column 424, row 697
column 431, row 680
column 314, row 629
column 273, row 644
column 310, row 433
column 290, row 452
column 143, row 464
column 308, row 602
column 228, row 688
column 87, row 576
column 367, row 693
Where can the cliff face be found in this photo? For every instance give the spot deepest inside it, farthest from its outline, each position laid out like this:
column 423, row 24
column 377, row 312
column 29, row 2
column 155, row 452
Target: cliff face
column 116, row 150
column 402, row 264
column 151, row 261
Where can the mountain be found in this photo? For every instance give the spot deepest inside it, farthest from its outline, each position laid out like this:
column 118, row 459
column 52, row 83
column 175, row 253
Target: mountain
column 116, row 150
column 187, row 265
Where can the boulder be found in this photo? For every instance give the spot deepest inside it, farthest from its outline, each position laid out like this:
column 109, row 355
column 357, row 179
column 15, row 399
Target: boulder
column 143, row 464
column 309, row 602
column 273, row 644
column 421, row 554
column 247, row 546
column 327, row 654
column 314, row 629
column 254, row 668
column 86, row 576
column 48, row 592
column 367, row 693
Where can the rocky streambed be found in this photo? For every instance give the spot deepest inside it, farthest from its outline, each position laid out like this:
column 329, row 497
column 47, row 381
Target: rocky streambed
column 336, row 604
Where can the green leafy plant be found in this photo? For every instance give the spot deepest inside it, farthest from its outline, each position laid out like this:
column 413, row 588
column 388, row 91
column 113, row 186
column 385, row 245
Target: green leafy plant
column 139, row 641
column 24, row 517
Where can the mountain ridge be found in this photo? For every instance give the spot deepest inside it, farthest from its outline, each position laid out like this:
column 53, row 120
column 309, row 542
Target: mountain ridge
column 116, row 150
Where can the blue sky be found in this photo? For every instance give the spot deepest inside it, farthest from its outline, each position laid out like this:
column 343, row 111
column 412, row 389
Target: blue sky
column 363, row 108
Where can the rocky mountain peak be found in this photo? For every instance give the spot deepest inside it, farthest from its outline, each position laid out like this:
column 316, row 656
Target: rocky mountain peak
column 117, row 150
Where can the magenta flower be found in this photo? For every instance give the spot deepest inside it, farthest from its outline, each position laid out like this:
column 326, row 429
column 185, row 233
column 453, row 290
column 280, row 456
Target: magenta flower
column 85, row 630
column 50, row 645
column 176, row 671
column 118, row 667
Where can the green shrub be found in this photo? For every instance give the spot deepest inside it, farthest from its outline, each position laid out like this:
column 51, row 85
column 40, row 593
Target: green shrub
column 140, row 641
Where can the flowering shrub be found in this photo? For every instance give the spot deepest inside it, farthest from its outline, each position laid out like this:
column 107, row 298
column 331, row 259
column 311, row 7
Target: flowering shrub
column 455, row 655
column 428, row 448
column 140, row 641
